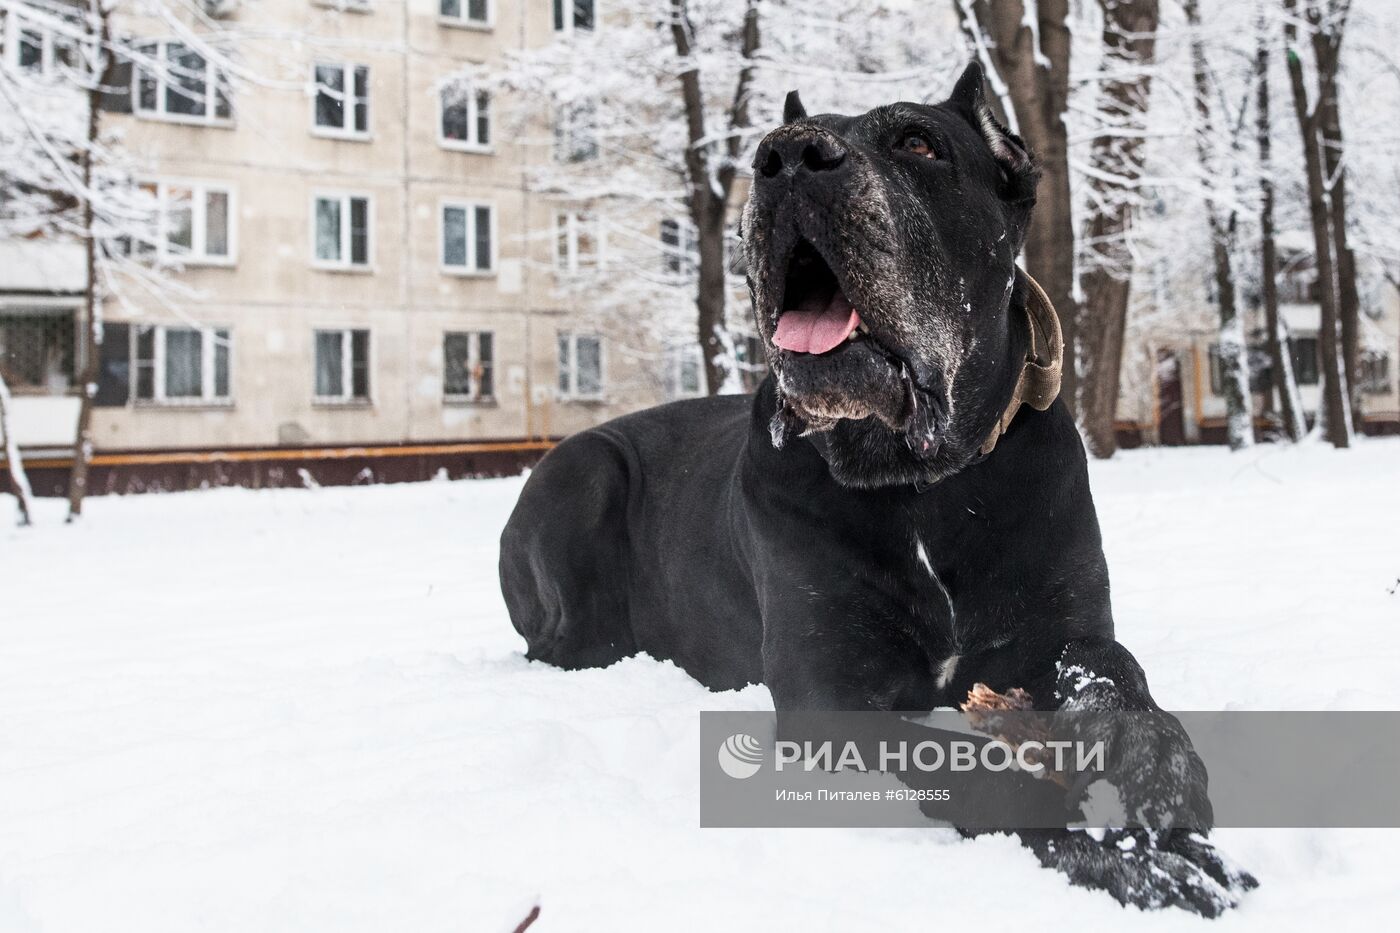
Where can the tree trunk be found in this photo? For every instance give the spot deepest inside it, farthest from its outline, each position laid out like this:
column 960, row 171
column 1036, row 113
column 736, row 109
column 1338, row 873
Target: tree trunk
column 91, row 330
column 1285, row 384
column 1234, row 353
column 712, row 297
column 1037, row 81
column 1329, row 126
column 19, row 480
column 1348, row 298
column 1333, row 412
column 709, row 177
column 1231, row 348
column 1129, row 38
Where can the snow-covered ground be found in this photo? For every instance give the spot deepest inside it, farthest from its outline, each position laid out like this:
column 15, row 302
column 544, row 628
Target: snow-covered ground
column 302, row 710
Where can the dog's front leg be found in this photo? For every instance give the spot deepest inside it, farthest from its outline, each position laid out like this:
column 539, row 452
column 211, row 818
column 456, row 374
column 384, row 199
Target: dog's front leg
column 1160, row 780
column 839, row 655
column 1160, row 783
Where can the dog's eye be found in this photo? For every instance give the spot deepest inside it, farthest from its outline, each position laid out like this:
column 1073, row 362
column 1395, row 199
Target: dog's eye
column 918, row 144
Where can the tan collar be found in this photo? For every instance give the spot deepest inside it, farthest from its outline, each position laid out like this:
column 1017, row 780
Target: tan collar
column 1039, row 381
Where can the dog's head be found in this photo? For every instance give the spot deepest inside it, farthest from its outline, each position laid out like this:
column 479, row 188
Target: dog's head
column 880, row 251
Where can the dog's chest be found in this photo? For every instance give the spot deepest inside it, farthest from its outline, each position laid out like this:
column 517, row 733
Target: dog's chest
column 948, row 604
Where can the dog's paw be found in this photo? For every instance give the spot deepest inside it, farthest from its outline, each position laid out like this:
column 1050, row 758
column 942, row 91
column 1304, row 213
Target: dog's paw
column 1147, row 870
column 1152, row 777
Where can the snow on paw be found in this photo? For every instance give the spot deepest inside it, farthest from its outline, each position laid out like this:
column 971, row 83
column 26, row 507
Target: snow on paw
column 1135, row 871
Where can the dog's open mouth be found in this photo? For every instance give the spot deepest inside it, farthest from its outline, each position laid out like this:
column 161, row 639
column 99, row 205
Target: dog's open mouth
column 835, row 366
column 817, row 317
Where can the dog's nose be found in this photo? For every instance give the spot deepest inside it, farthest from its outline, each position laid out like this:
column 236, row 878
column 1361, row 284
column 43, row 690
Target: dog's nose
column 794, row 152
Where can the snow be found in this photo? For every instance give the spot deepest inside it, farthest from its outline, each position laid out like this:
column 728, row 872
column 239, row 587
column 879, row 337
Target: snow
column 306, row 709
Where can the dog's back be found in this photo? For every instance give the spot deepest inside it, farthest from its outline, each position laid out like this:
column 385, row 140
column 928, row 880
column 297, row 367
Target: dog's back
column 589, row 556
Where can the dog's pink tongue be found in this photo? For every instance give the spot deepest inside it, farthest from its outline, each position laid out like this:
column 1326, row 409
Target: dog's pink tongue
column 817, row 330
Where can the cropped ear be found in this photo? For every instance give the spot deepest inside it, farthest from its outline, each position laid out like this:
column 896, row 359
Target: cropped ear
column 793, row 109
column 968, row 91
column 1017, row 163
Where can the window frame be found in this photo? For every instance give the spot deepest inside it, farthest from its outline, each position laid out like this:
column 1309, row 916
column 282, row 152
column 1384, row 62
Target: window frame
column 1373, row 372
column 563, row 25
column 572, row 393
column 12, row 24
column 212, row 82
column 751, row 372
column 567, row 226
column 344, row 263
column 470, row 207
column 463, row 21
column 199, row 189
column 348, row 104
column 677, row 357
column 347, row 398
column 1313, row 371
column 680, row 260
column 474, row 358
column 1259, row 377
column 45, row 309
column 473, row 142
column 209, row 336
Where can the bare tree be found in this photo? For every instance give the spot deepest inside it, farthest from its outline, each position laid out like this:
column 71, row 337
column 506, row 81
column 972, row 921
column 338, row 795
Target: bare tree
column 1027, row 45
column 1116, row 169
column 650, row 120
column 711, row 167
column 1223, row 221
column 65, row 179
column 1285, row 384
column 1326, row 20
column 100, row 65
column 1326, row 43
column 653, row 116
column 19, row 481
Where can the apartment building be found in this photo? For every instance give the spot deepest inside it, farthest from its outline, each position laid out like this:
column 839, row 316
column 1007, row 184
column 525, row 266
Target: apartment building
column 1172, row 390
column 373, row 291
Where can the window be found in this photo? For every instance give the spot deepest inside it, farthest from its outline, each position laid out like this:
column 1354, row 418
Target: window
column 195, row 223
column 37, row 349
column 684, row 378
column 753, row 365
column 570, row 15
column 465, row 12
column 466, row 118
column 342, row 226
column 577, row 242
column 174, row 82
column 468, row 371
column 1304, row 353
column 1374, row 374
column 28, row 47
column 575, row 135
column 1298, row 284
column 468, row 237
column 342, row 100
column 182, row 364
column 580, row 366
column 679, row 247
column 1260, row 369
column 342, row 366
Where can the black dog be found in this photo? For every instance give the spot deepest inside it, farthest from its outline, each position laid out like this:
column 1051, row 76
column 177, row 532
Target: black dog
column 884, row 523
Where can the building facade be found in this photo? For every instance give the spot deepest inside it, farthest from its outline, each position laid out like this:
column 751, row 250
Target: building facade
column 368, row 287
column 1172, row 391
